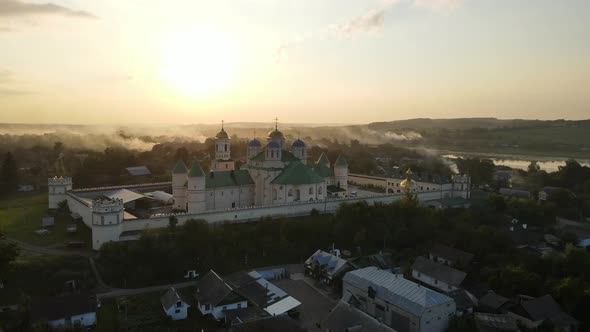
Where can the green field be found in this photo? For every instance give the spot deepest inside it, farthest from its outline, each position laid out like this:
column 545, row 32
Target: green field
column 20, row 217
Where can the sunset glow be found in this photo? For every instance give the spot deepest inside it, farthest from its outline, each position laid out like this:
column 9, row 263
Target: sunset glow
column 199, row 62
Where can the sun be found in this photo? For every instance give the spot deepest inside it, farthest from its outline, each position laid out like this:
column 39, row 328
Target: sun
column 199, row 61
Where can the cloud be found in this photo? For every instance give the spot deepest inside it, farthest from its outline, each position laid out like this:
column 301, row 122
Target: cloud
column 20, row 8
column 5, row 29
column 370, row 22
column 444, row 5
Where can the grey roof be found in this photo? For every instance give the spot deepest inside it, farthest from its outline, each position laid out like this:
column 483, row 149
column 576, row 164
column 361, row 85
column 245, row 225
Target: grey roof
column 170, row 298
column 545, row 308
column 495, row 323
column 492, row 301
column 138, row 170
column 331, row 263
column 211, row 289
column 451, row 254
column 345, row 317
column 397, row 290
column 439, row 271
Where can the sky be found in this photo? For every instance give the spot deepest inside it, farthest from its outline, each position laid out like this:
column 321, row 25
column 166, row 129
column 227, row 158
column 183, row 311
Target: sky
column 304, row 61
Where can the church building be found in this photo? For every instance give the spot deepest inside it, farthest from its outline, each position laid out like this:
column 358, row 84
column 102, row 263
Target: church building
column 274, row 173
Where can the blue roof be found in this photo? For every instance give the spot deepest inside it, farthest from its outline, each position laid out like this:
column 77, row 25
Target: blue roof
column 298, row 144
column 397, row 290
column 273, row 144
column 255, row 143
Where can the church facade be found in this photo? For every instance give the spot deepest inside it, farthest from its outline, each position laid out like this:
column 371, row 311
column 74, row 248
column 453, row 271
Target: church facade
column 273, row 174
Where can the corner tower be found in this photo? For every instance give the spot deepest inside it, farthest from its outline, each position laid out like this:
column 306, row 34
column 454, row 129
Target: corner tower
column 179, row 178
column 107, row 216
column 58, row 188
column 341, row 172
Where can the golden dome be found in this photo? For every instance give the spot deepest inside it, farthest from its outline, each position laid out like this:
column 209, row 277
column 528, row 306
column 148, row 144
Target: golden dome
column 408, row 183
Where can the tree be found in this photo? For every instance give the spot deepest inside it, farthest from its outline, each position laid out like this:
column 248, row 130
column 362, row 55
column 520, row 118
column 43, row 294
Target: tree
column 172, row 222
column 63, row 208
column 8, row 253
column 182, row 154
column 9, row 174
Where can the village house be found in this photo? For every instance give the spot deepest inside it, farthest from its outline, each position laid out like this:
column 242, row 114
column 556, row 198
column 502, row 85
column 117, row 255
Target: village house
column 214, row 296
column 262, row 293
column 174, row 306
column 533, row 312
column 64, row 311
column 397, row 302
column 437, row 275
column 326, row 267
column 449, row 256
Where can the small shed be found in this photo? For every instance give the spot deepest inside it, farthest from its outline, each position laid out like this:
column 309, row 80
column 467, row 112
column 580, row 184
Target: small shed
column 138, row 171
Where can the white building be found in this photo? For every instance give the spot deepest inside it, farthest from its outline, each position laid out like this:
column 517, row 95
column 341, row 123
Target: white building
column 273, row 174
column 174, row 306
column 276, row 180
column 399, row 303
column 214, row 296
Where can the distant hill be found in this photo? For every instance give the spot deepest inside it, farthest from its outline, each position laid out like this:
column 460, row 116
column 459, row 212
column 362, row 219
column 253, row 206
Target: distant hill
column 471, row 123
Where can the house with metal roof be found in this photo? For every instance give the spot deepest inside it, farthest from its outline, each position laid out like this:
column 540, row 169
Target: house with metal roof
column 397, row 302
column 64, row 311
column 326, row 267
column 437, row 275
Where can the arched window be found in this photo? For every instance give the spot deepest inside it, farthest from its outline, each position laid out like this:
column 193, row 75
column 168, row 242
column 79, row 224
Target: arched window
column 311, row 190
column 319, row 190
column 272, row 153
column 225, row 147
column 274, row 194
column 290, row 192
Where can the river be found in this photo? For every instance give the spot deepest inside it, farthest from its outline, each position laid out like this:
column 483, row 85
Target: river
column 547, row 164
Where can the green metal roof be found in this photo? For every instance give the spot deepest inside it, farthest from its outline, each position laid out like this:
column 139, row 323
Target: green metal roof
column 297, row 173
column 180, row 167
column 323, row 159
column 324, row 171
column 196, row 171
column 340, row 161
column 286, row 156
column 228, row 179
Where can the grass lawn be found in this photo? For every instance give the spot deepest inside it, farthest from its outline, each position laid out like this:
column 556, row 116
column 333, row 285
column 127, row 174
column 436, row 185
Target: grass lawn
column 20, row 216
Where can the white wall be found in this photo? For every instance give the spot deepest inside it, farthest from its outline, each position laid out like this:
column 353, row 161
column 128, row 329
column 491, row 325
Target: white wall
column 360, row 179
column 181, row 314
column 111, row 233
column 87, row 319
